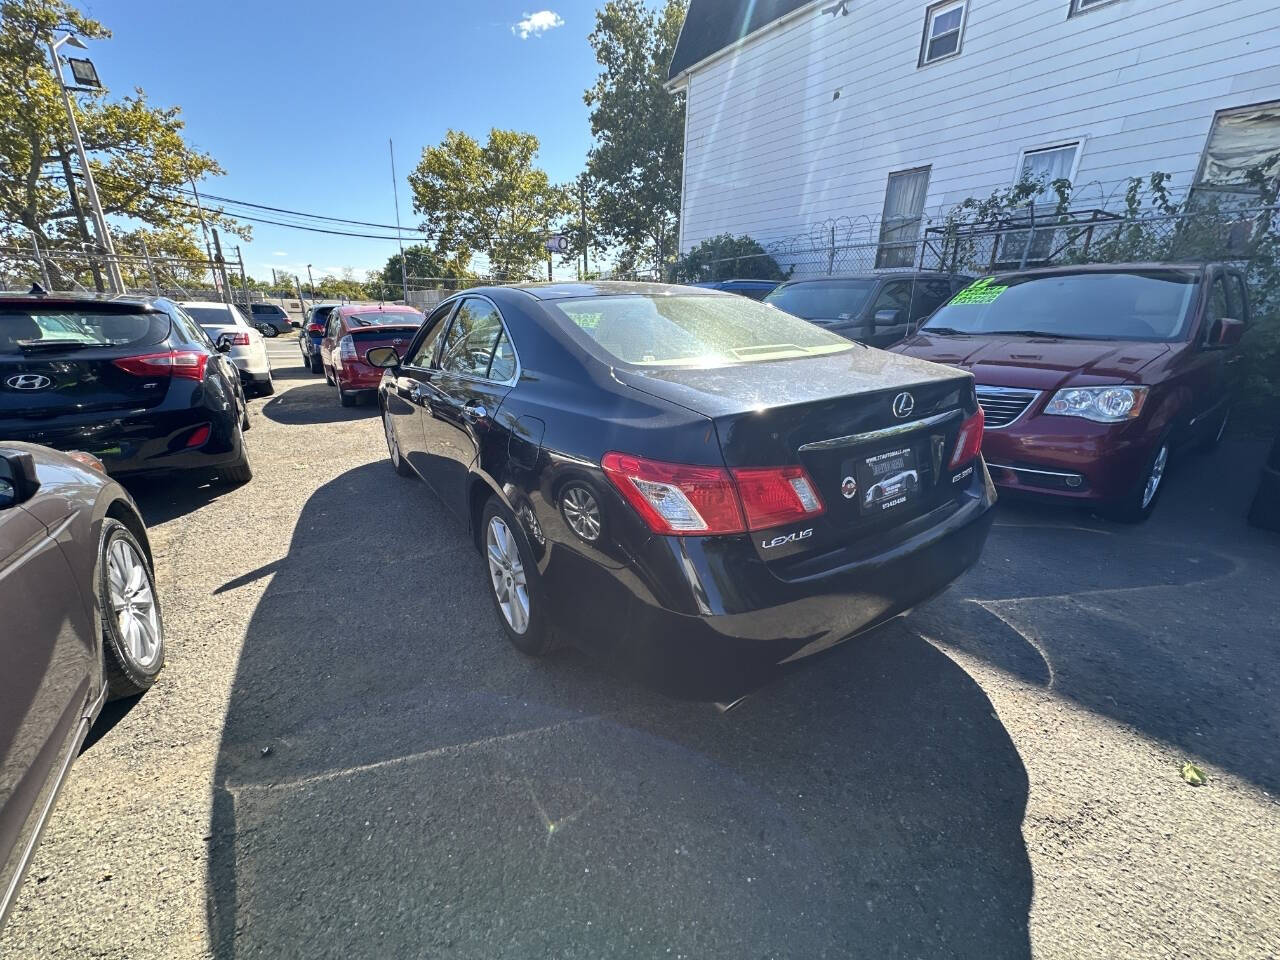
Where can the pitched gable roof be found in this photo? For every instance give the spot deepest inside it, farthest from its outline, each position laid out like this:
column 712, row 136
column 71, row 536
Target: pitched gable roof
column 712, row 25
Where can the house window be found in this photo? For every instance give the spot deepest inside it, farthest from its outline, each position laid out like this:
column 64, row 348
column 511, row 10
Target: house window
column 1049, row 164
column 1240, row 141
column 903, row 211
column 1084, row 6
column 943, row 25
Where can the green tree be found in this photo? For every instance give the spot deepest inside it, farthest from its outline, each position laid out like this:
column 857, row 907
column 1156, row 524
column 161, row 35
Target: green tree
column 727, row 257
column 139, row 158
column 422, row 266
column 491, row 199
column 638, row 156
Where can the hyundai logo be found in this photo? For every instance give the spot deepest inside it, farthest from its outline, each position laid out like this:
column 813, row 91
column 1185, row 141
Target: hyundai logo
column 903, row 404
column 29, row 381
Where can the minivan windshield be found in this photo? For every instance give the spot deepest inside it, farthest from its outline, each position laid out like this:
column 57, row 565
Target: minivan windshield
column 823, row 299
column 692, row 330
column 1149, row 305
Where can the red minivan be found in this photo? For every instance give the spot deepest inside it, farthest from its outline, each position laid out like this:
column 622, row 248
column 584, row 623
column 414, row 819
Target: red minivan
column 1093, row 377
column 350, row 332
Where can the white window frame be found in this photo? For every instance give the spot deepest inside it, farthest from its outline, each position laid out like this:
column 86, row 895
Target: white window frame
column 931, row 14
column 1079, row 7
column 1077, row 142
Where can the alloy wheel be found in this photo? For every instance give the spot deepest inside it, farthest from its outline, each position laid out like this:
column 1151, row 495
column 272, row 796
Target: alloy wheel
column 392, row 446
column 133, row 604
column 1156, row 475
column 506, row 570
column 582, row 513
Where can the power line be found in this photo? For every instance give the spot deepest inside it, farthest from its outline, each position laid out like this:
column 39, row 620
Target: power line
column 300, row 213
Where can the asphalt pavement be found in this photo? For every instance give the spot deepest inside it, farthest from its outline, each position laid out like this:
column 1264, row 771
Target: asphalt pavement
column 345, row 758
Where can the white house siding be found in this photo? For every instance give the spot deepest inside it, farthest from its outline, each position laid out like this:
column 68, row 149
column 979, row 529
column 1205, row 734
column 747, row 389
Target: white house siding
column 771, row 154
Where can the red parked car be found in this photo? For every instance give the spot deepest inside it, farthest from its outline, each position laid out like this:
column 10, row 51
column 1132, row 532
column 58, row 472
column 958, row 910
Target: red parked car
column 350, row 332
column 1093, row 377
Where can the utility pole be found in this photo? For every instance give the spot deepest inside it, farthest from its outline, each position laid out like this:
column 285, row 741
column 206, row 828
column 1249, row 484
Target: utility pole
column 104, row 235
column 311, row 282
column 395, row 192
column 221, row 266
column 204, row 227
column 78, row 209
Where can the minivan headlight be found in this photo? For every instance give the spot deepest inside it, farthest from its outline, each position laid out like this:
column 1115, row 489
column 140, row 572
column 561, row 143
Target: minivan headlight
column 1100, row 404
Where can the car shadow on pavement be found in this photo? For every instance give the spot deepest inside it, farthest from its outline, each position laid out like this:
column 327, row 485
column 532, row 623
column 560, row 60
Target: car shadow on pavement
column 315, row 403
column 161, row 499
column 1167, row 627
column 395, row 780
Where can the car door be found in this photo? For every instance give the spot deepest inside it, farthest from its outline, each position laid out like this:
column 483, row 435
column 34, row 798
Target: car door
column 329, row 343
column 406, row 396
column 1205, row 374
column 475, row 370
column 888, row 316
column 46, row 679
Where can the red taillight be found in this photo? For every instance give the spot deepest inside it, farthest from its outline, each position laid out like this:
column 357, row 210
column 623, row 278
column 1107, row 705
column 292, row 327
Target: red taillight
column 238, row 339
column 773, row 496
column 678, row 499
column 347, row 348
column 315, row 328
column 184, row 364
column 969, row 443
column 198, row 436
column 674, row 498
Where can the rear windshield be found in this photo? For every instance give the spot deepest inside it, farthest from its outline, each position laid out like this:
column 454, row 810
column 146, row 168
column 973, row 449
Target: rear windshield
column 270, row 308
column 1149, row 305
column 26, row 330
column 380, row 317
column 217, row 316
column 693, row 331
column 823, row 299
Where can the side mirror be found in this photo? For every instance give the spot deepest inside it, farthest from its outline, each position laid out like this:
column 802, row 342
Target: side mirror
column 18, row 481
column 223, row 343
column 888, row 318
column 385, row 357
column 1227, row 332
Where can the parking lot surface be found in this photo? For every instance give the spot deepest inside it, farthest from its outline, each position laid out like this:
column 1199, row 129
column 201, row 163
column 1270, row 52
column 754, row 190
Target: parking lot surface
column 344, row 757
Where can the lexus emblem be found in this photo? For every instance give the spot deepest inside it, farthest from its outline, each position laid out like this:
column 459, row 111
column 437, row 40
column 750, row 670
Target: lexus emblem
column 29, row 381
column 903, row 404
column 849, row 488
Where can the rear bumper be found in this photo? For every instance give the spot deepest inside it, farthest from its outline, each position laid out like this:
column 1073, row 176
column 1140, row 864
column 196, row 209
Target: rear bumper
column 1067, row 458
column 150, row 442
column 251, row 378
column 357, row 376
column 749, row 619
column 255, row 369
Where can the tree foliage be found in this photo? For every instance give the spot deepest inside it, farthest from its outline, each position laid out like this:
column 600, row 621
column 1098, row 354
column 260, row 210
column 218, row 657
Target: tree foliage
column 638, row 156
column 487, row 199
column 727, row 257
column 139, row 159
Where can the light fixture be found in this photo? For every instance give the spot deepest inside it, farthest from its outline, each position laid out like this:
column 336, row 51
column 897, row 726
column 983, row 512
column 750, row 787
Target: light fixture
column 85, row 73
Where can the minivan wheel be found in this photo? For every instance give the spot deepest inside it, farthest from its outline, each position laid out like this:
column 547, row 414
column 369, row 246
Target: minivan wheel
column 129, row 613
column 1137, row 507
column 268, row 331
column 513, row 580
column 393, row 447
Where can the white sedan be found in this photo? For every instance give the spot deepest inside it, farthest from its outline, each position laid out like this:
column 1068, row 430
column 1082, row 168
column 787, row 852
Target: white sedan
column 248, row 348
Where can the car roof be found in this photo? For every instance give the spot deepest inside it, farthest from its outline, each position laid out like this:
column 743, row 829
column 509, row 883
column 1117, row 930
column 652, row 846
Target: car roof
column 346, row 309
column 564, row 290
column 202, row 303
column 717, row 284
column 80, row 300
column 893, row 275
column 1136, row 267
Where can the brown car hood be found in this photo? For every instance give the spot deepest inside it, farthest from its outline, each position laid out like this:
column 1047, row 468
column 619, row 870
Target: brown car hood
column 1037, row 363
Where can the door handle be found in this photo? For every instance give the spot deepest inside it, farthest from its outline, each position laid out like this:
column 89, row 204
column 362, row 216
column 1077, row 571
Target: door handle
column 475, row 412
column 419, row 394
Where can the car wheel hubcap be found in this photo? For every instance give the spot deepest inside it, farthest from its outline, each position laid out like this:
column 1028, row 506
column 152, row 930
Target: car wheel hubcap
column 507, row 573
column 582, row 513
column 133, row 604
column 391, row 438
column 1157, row 474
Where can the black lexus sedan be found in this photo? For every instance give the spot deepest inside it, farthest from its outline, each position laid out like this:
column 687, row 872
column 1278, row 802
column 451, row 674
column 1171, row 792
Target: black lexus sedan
column 133, row 381
column 694, row 485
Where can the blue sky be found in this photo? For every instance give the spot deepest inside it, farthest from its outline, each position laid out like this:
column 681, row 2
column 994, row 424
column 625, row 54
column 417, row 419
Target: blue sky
column 297, row 99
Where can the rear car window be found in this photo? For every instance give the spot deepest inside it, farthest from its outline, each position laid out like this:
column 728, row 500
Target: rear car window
column 217, row 316
column 383, row 316
column 270, row 308
column 1150, row 305
column 28, row 329
column 823, row 299
column 693, row 331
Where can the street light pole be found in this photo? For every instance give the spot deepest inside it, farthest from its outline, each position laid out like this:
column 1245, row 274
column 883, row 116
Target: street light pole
column 310, row 282
column 99, row 221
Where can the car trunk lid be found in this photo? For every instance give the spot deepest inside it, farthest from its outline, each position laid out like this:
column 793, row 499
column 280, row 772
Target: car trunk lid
column 396, row 336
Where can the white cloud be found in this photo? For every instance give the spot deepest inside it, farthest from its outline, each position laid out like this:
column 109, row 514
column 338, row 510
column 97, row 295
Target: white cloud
column 536, row 24
column 278, row 253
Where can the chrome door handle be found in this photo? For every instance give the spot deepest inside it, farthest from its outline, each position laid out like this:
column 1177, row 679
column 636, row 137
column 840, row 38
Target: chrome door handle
column 475, row 412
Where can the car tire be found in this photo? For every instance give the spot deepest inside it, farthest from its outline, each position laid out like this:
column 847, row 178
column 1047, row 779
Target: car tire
column 327, row 377
column 347, row 399
column 393, row 448
column 1138, row 505
column 268, row 331
column 315, row 365
column 267, row 389
column 240, row 471
column 128, row 612
column 514, row 584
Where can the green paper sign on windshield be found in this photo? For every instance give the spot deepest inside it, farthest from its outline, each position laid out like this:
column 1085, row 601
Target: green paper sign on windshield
column 977, row 293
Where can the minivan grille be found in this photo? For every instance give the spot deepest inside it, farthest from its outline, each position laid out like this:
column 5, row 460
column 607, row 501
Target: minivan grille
column 1003, row 405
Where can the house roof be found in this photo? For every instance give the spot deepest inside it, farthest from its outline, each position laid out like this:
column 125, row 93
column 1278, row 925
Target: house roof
column 712, row 25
